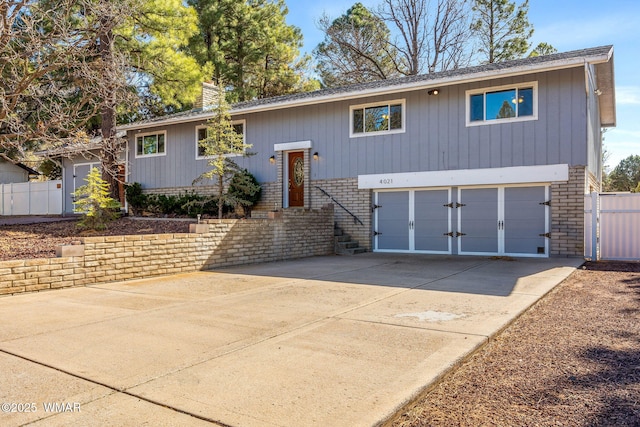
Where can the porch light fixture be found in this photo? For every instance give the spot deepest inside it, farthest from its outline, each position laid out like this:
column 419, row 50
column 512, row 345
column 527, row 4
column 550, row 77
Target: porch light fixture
column 434, row 92
column 597, row 92
column 272, row 159
column 316, row 156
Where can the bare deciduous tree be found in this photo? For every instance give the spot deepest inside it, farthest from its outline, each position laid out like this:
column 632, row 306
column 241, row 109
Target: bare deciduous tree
column 41, row 52
column 429, row 38
column 356, row 48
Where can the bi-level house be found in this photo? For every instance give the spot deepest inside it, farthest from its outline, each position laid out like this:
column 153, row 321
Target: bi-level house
column 487, row 160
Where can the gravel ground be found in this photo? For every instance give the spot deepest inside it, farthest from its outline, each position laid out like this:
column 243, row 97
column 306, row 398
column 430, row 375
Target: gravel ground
column 40, row 240
column 571, row 360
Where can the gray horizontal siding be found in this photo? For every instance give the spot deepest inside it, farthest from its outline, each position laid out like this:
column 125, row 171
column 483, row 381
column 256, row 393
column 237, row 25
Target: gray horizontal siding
column 436, row 137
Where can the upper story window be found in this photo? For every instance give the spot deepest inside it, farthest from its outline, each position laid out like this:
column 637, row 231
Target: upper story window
column 505, row 103
column 378, row 118
column 201, row 133
column 151, row 144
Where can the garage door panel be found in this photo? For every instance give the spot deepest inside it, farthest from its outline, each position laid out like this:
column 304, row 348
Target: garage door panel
column 478, row 220
column 393, row 219
column 524, row 220
column 431, row 220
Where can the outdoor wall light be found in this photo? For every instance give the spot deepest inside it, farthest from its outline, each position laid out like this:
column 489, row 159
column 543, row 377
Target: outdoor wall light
column 316, row 156
column 434, row 92
column 272, row 159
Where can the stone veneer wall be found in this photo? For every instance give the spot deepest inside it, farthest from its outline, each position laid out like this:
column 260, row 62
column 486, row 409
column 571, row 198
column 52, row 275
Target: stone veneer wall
column 567, row 214
column 292, row 234
column 271, row 198
column 344, row 190
column 356, row 201
column 176, row 191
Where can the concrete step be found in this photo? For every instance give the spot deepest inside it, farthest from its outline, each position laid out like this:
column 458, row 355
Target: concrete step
column 348, row 245
column 343, row 243
column 352, row 251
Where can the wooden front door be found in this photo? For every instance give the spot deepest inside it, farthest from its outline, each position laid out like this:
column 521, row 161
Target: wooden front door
column 296, row 179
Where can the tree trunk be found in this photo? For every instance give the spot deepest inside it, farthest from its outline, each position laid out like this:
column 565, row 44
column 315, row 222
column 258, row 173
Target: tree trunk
column 111, row 146
column 220, row 194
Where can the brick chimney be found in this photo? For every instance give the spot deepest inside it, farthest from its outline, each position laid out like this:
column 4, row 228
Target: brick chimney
column 208, row 97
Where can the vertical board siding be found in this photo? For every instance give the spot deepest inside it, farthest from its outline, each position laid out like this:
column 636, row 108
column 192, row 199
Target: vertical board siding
column 436, row 137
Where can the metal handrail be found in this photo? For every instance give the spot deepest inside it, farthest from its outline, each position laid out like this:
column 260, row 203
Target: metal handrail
column 355, row 218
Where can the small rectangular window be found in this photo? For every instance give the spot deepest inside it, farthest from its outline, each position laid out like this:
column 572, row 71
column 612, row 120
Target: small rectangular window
column 151, row 144
column 514, row 103
column 358, row 122
column 377, row 118
column 201, row 134
column 396, row 117
column 477, row 107
column 500, row 105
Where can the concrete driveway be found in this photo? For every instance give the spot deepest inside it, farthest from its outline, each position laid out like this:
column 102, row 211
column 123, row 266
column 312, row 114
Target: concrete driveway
column 340, row 341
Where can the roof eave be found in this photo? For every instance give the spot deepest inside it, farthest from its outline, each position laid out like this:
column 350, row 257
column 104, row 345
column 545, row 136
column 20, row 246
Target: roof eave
column 447, row 81
column 559, row 64
column 605, row 77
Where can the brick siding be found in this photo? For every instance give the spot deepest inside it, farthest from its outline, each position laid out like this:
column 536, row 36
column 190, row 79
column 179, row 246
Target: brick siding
column 567, row 214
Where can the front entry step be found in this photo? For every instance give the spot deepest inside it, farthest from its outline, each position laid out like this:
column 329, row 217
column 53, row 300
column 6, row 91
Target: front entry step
column 344, row 245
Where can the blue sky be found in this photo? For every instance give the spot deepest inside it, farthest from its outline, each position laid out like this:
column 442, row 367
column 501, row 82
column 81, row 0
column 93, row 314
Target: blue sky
column 565, row 24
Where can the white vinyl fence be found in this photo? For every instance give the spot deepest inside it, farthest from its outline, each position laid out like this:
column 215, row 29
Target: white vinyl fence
column 31, row 198
column 612, row 226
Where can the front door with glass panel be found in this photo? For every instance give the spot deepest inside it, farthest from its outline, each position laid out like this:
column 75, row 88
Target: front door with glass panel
column 296, row 178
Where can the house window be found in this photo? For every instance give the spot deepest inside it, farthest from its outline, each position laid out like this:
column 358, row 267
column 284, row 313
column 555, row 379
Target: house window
column 151, row 144
column 502, row 104
column 379, row 118
column 201, row 134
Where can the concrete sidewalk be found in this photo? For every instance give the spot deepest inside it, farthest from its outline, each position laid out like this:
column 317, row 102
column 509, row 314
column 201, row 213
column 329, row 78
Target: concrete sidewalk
column 340, row 341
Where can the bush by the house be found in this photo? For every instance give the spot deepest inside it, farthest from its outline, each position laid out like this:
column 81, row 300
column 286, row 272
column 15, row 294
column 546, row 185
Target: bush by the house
column 244, row 191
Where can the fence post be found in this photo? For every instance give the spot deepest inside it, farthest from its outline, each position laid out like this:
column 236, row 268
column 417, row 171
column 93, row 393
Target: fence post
column 594, row 226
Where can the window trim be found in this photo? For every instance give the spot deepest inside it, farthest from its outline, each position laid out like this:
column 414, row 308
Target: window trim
column 483, row 91
column 402, row 102
column 233, row 122
column 142, row 135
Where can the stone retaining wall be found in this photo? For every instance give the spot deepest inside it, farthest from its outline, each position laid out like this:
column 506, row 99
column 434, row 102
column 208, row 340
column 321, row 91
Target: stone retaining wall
column 219, row 243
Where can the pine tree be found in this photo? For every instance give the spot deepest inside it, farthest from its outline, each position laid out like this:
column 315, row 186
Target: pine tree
column 504, row 30
column 94, row 203
column 356, row 49
column 222, row 144
column 249, row 46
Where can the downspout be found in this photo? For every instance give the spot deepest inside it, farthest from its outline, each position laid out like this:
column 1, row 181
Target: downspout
column 591, row 89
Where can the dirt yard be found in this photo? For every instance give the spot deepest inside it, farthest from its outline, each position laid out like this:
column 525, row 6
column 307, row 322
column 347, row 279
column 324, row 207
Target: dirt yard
column 40, row 240
column 571, row 360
